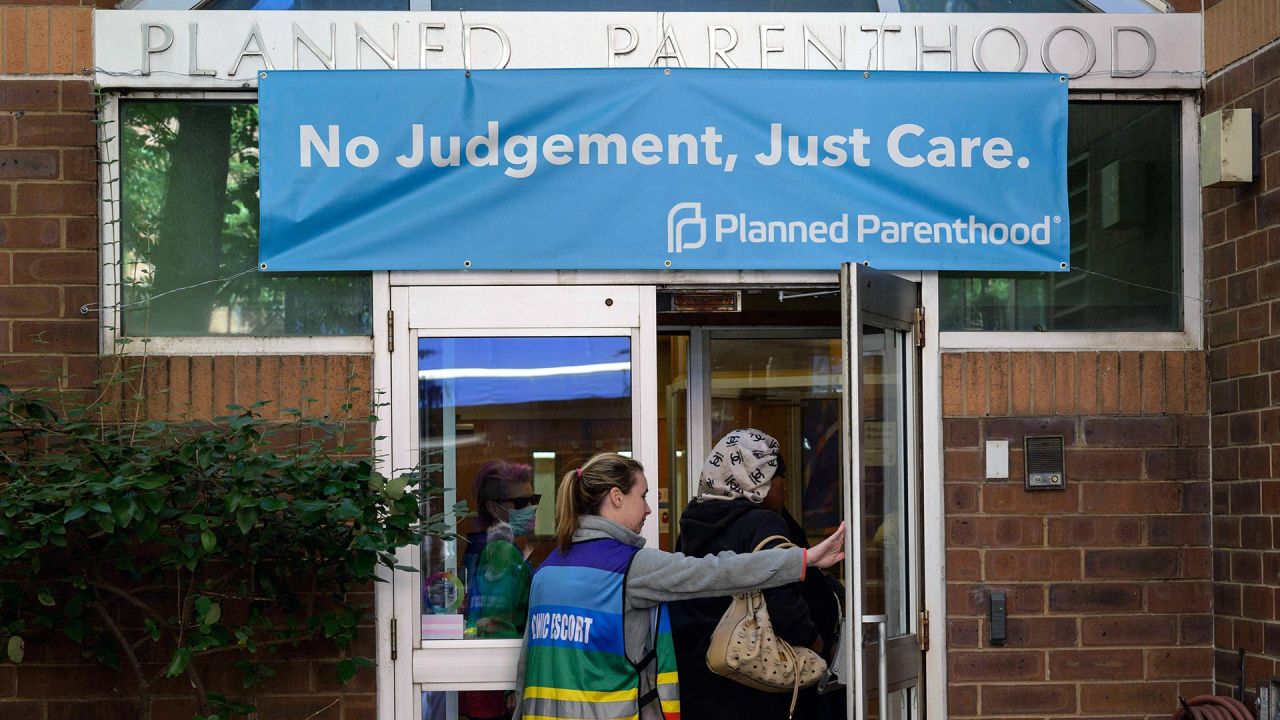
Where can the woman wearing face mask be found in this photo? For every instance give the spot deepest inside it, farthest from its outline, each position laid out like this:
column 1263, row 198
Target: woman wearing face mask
column 498, row 571
column 598, row 643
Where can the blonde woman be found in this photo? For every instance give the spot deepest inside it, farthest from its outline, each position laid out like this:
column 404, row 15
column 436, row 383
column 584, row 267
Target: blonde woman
column 597, row 644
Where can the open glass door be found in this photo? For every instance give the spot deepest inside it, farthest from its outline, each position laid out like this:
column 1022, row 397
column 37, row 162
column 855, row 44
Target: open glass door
column 881, row 462
column 496, row 395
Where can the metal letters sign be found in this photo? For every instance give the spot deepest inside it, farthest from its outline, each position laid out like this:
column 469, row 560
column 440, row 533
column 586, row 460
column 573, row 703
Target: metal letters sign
column 628, row 169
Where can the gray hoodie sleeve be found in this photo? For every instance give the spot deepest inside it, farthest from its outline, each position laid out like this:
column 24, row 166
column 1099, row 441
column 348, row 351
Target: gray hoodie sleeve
column 658, row 577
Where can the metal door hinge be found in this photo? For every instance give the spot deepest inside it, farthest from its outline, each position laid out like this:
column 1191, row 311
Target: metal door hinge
column 391, row 334
column 394, row 651
column 922, row 632
column 919, row 322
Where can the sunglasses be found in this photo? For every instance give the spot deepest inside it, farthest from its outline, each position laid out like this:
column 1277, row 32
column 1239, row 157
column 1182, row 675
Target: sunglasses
column 520, row 503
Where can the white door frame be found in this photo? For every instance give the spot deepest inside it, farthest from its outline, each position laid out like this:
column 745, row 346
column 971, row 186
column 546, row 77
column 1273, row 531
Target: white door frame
column 397, row 672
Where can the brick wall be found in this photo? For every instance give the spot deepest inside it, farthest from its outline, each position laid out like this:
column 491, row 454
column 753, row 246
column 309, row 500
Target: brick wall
column 1242, row 276
column 49, row 268
column 1109, row 581
column 48, row 195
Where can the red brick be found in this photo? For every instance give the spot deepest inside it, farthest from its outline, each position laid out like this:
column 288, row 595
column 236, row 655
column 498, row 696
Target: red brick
column 952, row 384
column 1141, row 630
column 975, row 384
column 1038, row 565
column 28, row 95
column 1043, row 632
column 1087, row 382
column 6, row 129
column 960, row 433
column 971, row 599
column 1131, row 497
column 81, row 232
column 74, row 268
column 1197, row 383
column 962, row 465
column 963, row 565
column 1130, row 382
column 80, row 164
column 1177, row 464
column 1095, row 530
column 29, row 302
column 29, row 164
column 1132, row 563
column 1141, row 697
column 1179, row 663
column 1178, row 530
column 55, row 131
column 1153, row 382
column 30, row 233
column 998, row 383
column 1001, row 666
column 74, row 336
column 961, row 498
column 1094, row 664
column 223, row 384
column 310, row 707
column 1043, row 382
column 1090, row 464
column 1131, row 431
column 1243, row 359
column 58, row 198
column 1020, row 383
column 77, row 95
column 1064, row 383
column 1028, row 698
column 1094, row 597
column 995, row 532
column 1015, row 430
column 1006, row 498
column 962, row 700
column 93, row 710
column 1109, row 382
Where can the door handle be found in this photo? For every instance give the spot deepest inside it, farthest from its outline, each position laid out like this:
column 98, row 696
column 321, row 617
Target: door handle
column 882, row 657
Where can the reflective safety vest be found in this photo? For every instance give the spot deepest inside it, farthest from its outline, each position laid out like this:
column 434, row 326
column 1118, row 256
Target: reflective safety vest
column 576, row 665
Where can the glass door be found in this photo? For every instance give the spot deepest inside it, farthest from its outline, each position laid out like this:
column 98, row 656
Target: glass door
column 882, row 461
column 497, row 394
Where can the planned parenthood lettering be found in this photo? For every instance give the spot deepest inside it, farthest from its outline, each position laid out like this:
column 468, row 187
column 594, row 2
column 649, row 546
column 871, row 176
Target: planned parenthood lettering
column 653, row 169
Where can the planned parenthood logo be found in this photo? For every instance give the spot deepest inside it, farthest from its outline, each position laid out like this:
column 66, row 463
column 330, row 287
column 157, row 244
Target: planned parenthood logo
column 686, row 228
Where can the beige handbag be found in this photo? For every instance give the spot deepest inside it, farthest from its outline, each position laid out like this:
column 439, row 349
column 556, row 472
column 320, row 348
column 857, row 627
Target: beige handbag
column 745, row 649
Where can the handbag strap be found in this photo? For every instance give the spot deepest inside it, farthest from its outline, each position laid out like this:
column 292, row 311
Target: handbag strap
column 786, row 543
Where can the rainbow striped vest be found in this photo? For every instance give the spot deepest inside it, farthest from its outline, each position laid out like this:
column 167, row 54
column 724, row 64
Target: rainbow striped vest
column 576, row 665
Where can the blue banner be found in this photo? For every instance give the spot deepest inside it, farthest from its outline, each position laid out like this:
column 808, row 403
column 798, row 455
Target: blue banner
column 631, row 169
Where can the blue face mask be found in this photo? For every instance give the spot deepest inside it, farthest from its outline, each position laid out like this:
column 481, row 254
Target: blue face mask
column 522, row 520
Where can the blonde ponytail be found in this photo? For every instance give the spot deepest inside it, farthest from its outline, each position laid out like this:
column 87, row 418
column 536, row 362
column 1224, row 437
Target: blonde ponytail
column 583, row 489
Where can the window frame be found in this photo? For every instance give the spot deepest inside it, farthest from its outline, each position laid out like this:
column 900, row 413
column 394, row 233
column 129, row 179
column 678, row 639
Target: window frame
column 111, row 339
column 1191, row 336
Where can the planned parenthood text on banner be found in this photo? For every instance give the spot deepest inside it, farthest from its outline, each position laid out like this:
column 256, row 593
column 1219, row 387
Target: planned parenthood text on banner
column 634, row 169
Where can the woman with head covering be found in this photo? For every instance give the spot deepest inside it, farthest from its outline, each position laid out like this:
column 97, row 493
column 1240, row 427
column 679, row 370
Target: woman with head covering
column 598, row 642
column 741, row 491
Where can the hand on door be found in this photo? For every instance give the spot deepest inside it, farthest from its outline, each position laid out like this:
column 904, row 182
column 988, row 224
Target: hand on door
column 829, row 551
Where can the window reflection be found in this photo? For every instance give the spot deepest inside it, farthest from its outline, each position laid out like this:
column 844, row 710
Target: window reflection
column 501, row 419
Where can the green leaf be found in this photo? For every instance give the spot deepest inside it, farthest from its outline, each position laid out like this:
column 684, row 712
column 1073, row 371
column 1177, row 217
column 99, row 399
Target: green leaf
column 45, row 597
column 246, row 518
column 346, row 670
column 395, row 487
column 208, row 540
column 213, row 615
column 75, row 513
column 181, row 657
column 16, row 649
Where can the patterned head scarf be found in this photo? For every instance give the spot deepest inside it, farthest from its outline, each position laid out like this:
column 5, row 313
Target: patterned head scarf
column 742, row 464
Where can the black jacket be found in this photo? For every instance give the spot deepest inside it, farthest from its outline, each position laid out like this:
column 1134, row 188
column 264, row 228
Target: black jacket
column 708, row 527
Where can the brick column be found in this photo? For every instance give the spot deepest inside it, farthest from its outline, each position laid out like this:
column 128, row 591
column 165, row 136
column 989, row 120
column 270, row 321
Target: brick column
column 1108, row 581
column 48, row 195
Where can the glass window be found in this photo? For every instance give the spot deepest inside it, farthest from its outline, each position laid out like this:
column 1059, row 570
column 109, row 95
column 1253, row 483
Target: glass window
column 995, row 6
column 500, row 420
column 304, row 5
column 1124, row 189
column 666, row 5
column 189, row 227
